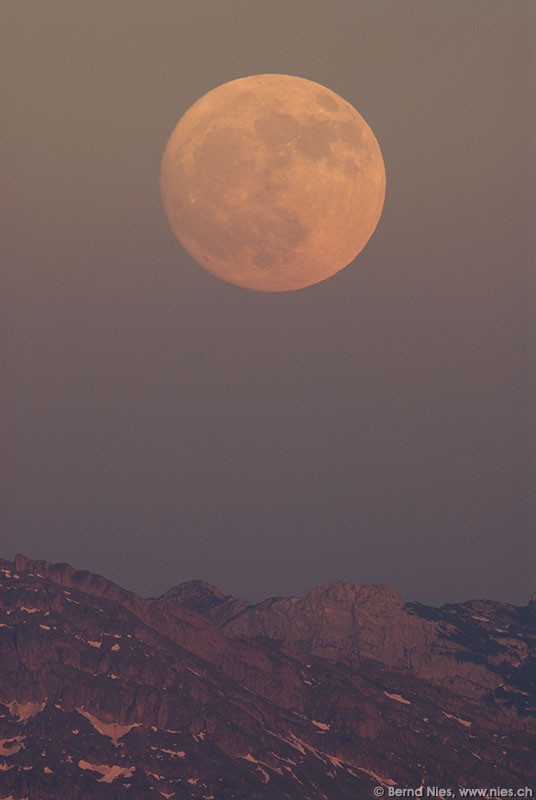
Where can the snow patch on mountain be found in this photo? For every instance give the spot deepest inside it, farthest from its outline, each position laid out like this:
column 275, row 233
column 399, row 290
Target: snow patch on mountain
column 114, row 730
column 398, row 698
column 109, row 773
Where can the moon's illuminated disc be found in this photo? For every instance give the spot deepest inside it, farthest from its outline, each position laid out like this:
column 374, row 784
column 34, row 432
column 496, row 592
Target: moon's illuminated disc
column 272, row 182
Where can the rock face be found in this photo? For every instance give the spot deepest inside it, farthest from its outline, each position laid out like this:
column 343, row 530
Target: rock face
column 107, row 695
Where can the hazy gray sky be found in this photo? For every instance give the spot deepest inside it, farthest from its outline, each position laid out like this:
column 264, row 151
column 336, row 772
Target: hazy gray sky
column 161, row 425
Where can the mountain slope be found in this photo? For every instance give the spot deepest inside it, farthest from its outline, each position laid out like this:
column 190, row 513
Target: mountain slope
column 104, row 694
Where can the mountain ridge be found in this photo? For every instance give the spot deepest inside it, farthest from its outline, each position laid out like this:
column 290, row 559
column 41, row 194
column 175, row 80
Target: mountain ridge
column 197, row 694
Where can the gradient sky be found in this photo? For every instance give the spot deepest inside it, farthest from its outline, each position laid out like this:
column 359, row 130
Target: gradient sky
column 161, row 425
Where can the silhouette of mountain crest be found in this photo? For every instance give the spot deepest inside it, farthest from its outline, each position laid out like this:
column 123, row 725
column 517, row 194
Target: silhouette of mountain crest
column 196, row 694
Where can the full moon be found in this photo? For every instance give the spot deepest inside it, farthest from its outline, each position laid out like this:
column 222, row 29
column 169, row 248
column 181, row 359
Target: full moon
column 272, row 182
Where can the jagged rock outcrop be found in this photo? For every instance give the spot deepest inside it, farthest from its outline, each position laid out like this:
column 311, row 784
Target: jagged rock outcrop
column 206, row 600
column 195, row 694
column 466, row 647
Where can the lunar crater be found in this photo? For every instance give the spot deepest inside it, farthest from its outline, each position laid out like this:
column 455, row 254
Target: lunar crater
column 276, row 129
column 327, row 102
column 315, row 139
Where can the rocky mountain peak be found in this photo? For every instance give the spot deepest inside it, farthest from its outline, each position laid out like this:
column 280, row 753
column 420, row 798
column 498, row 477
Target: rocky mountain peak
column 109, row 696
column 197, row 595
column 329, row 620
column 66, row 575
column 343, row 593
